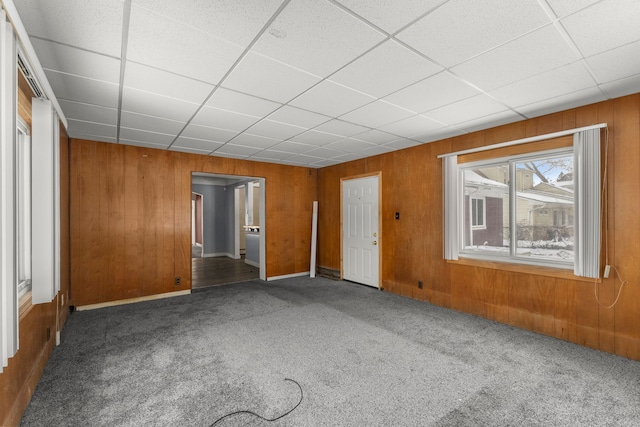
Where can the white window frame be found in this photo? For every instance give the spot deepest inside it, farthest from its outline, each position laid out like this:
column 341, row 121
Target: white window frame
column 473, row 212
column 587, row 203
column 23, row 208
column 512, row 255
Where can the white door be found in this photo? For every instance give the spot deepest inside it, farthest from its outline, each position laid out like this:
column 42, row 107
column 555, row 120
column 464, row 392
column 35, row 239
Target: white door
column 360, row 233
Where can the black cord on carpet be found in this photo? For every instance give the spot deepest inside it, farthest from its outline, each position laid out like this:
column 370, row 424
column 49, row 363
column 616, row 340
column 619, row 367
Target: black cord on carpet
column 260, row 416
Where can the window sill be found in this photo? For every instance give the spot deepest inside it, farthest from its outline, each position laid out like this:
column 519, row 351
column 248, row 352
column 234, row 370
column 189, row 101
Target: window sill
column 558, row 273
column 24, row 305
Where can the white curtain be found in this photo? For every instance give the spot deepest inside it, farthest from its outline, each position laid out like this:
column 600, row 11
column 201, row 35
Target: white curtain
column 586, row 151
column 450, row 179
column 8, row 274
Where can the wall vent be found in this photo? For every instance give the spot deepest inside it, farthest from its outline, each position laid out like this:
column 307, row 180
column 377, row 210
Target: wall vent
column 28, row 75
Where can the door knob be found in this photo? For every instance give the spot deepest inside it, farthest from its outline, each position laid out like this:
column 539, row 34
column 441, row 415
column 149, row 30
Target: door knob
column 375, row 242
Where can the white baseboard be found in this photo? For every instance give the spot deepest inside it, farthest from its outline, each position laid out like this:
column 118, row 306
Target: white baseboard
column 253, row 263
column 218, row 254
column 132, row 300
column 287, row 276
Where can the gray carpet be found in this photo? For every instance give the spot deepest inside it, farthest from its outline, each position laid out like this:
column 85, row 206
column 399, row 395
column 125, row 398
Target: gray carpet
column 362, row 357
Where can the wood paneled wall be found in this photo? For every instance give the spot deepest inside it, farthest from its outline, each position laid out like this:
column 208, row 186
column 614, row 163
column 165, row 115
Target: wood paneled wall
column 131, row 218
column 561, row 306
column 18, row 380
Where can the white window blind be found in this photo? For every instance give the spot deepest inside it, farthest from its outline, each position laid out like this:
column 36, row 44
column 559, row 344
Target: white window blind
column 451, row 208
column 8, row 275
column 586, row 151
column 45, row 203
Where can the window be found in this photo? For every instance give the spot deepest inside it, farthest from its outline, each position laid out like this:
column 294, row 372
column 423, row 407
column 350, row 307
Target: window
column 477, row 213
column 537, row 204
column 23, row 209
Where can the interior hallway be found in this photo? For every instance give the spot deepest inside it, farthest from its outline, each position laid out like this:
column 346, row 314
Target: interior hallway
column 222, row 270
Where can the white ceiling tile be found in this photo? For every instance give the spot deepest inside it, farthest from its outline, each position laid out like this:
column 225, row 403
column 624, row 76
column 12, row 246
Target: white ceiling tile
column 229, row 155
column 232, row 20
column 297, row 116
column 571, row 100
column 349, row 145
column 331, row 99
column 311, row 35
column 237, row 150
column 292, row 147
column 342, row 128
column 166, row 44
column 390, row 15
column 376, row 114
column 324, row 152
column 267, row 155
column 617, row 63
column 438, row 134
column 95, row 25
column 434, row 92
column 144, row 144
column 189, row 150
column 66, row 59
column 91, row 128
column 378, row 149
column 385, row 69
column 150, row 123
column 208, row 133
column 237, row 102
column 254, row 141
column 535, row 53
column 322, row 163
column 223, row 119
column 316, row 138
column 412, row 126
column 566, row 7
column 196, row 144
column 263, row 77
column 148, row 103
column 375, row 137
column 275, row 130
column 81, row 89
column 605, row 25
column 163, row 83
column 465, row 110
column 88, row 112
column 302, row 160
column 349, row 157
column 492, row 120
column 401, row 144
column 461, row 29
column 89, row 137
column 622, row 87
column 551, row 84
column 146, row 136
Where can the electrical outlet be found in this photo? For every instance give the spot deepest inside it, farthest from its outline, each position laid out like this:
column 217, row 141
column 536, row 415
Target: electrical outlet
column 178, row 281
column 607, row 270
column 419, row 284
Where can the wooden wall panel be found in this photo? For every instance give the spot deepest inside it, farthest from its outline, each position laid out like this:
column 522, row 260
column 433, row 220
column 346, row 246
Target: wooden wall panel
column 131, row 216
column 558, row 306
column 38, row 323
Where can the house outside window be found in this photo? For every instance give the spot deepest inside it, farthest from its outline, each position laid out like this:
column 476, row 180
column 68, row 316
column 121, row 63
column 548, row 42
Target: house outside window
column 507, row 204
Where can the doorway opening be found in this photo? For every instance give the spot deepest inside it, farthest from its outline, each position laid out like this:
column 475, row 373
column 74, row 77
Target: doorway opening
column 232, row 227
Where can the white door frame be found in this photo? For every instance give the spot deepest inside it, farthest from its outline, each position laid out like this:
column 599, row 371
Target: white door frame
column 380, row 231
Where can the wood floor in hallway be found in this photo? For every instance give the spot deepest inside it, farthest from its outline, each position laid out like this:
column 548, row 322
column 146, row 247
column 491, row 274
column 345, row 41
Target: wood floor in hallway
column 216, row 271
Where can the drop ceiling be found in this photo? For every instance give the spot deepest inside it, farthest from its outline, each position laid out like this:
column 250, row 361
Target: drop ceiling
column 320, row 82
